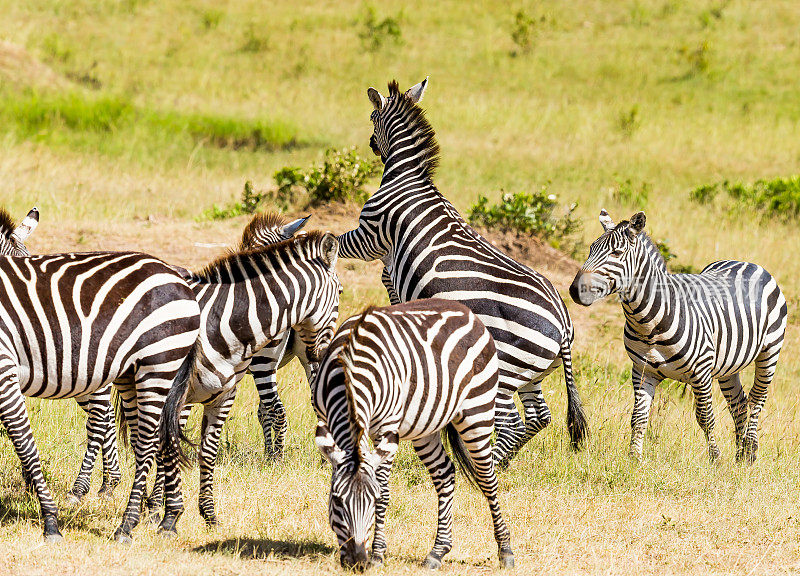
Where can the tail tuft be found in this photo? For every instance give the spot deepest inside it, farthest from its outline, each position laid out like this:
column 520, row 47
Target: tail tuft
column 461, row 455
column 577, row 424
column 170, row 431
column 123, row 432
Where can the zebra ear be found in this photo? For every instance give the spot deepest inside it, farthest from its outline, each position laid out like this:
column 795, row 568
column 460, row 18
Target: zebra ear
column 330, row 249
column 605, row 220
column 292, row 227
column 327, row 446
column 417, row 91
column 637, row 223
column 376, row 98
column 27, row 226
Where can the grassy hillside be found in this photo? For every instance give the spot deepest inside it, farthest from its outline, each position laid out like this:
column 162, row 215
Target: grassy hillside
column 125, row 120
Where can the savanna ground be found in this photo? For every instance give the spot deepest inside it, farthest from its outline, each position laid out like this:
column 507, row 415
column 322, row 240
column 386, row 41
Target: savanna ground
column 125, row 120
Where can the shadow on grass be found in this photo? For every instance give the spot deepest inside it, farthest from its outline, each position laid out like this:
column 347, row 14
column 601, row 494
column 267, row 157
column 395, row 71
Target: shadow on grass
column 252, row 549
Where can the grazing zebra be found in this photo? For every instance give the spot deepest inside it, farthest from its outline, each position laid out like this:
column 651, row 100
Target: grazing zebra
column 693, row 328
column 72, row 323
column 247, row 299
column 429, row 251
column 406, row 372
column 13, row 236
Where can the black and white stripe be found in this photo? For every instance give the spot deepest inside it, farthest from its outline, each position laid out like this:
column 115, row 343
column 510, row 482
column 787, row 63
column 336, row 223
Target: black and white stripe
column 247, row 299
column 693, row 328
column 70, row 324
column 406, row 372
column 13, row 236
column 430, row 251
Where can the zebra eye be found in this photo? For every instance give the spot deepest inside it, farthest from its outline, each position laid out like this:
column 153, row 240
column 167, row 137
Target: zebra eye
column 617, row 252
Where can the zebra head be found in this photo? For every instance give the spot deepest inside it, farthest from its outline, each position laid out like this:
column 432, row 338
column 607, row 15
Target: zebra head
column 13, row 237
column 355, row 489
column 270, row 228
column 612, row 260
column 318, row 320
column 390, row 118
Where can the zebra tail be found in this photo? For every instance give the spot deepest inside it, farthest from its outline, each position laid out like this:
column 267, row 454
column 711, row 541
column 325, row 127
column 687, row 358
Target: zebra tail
column 170, row 432
column 461, row 455
column 123, row 431
column 576, row 418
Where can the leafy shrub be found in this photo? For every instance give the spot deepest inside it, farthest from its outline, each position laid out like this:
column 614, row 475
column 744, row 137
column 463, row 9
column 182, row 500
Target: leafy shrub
column 698, row 58
column 211, row 18
column 375, row 34
column 628, row 194
column 248, row 204
column 779, row 197
column 523, row 31
column 629, row 121
column 530, row 213
column 340, row 177
column 253, row 42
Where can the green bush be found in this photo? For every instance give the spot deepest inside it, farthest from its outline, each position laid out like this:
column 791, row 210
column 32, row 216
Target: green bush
column 779, row 197
column 248, row 204
column 340, row 177
column 375, row 34
column 670, row 257
column 629, row 194
column 530, row 213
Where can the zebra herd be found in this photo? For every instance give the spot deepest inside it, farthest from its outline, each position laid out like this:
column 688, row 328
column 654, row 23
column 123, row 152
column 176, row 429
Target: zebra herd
column 467, row 328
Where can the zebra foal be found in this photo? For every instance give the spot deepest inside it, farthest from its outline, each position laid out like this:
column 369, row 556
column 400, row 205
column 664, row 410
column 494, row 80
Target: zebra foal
column 693, row 328
column 406, row 372
column 70, row 324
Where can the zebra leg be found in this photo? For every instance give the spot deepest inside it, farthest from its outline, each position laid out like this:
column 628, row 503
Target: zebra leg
column 381, row 505
column 156, row 500
column 214, row 416
column 704, row 412
column 765, row 365
column 386, row 279
column 509, row 427
column 644, row 388
column 443, row 473
column 14, row 417
column 111, row 471
column 475, row 431
column 150, row 390
column 95, row 434
column 731, row 387
column 271, row 413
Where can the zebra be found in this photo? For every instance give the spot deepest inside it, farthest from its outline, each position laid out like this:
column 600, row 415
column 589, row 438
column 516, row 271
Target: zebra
column 247, row 299
column 98, row 425
column 692, row 328
column 13, row 236
column 428, row 250
column 72, row 323
column 406, row 372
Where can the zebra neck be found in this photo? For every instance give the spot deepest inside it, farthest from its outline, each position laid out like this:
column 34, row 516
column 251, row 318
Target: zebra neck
column 651, row 294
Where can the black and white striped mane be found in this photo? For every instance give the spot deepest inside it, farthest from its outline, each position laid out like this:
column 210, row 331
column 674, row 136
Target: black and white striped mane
column 419, row 126
column 7, row 224
column 239, row 265
column 261, row 223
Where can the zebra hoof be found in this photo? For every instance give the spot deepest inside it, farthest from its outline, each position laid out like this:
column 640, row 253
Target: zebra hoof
column 376, row 560
column 72, row 499
column 431, row 562
column 53, row 538
column 123, row 538
column 167, row 532
column 713, row 455
column 507, row 559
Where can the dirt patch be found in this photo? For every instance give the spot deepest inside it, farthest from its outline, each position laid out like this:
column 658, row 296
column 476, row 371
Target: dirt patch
column 22, row 70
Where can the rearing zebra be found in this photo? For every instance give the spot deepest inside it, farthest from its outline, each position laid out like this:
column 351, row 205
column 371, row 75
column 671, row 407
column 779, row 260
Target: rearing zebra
column 693, row 328
column 406, row 372
column 429, row 251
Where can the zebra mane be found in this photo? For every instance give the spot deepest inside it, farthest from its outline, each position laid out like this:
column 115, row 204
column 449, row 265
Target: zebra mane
column 261, row 221
column 7, row 224
column 417, row 122
column 346, row 361
column 234, row 266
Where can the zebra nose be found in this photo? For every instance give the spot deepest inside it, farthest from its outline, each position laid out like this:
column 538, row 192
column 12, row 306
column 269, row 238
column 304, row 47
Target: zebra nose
column 581, row 288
